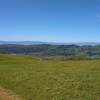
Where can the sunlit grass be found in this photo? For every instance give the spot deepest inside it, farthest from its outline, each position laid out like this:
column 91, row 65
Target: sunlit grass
column 36, row 79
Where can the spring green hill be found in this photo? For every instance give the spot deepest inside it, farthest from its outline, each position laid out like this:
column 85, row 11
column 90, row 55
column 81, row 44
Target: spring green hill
column 34, row 78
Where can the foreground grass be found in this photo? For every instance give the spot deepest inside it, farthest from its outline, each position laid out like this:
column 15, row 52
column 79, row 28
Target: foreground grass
column 36, row 79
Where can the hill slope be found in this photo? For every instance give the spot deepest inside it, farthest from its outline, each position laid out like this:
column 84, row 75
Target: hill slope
column 35, row 79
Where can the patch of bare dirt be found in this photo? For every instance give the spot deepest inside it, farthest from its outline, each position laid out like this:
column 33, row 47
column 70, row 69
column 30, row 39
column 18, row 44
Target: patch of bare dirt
column 6, row 94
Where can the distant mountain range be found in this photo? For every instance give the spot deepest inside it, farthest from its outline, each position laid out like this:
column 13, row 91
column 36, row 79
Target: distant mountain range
column 52, row 43
column 22, row 42
column 90, row 50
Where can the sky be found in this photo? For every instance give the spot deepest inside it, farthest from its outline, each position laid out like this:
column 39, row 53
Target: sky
column 50, row 20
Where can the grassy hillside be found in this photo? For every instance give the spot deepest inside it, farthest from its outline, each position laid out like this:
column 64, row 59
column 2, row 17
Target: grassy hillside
column 36, row 79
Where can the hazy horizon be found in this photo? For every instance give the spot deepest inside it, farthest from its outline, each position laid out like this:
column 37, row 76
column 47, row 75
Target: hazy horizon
column 47, row 42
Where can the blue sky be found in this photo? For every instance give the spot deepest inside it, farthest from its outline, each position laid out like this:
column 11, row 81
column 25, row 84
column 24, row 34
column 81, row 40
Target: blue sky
column 50, row 20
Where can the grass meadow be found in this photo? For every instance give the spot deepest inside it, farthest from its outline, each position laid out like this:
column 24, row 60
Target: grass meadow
column 33, row 78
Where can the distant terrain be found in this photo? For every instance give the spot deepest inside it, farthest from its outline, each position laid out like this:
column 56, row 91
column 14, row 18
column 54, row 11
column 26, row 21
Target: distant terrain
column 22, row 42
column 52, row 43
column 83, row 51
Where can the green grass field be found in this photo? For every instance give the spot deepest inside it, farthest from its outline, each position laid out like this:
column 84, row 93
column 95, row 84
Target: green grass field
column 34, row 79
